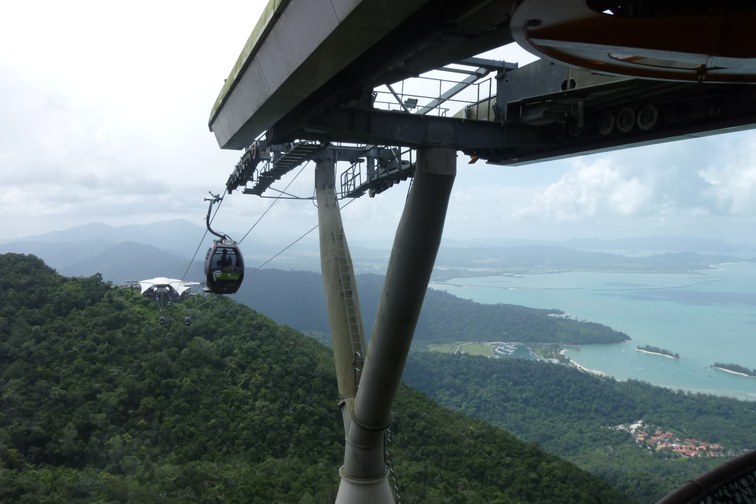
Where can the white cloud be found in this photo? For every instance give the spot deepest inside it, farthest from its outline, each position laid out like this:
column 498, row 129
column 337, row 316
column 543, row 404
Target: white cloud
column 105, row 109
column 591, row 189
column 661, row 182
column 732, row 176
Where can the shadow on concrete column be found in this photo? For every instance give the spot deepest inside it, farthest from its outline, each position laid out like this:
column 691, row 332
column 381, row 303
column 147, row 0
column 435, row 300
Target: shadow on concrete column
column 342, row 302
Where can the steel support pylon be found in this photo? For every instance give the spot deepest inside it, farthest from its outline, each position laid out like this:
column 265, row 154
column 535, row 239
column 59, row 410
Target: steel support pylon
column 342, row 301
column 367, row 413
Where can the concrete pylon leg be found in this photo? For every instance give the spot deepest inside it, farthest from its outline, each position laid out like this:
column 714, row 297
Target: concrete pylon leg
column 364, row 475
column 343, row 305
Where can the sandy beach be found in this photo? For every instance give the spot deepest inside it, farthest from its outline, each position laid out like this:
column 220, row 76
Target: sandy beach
column 732, row 372
column 656, row 353
column 584, row 369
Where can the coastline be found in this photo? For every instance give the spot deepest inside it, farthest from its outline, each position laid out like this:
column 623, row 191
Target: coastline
column 656, row 353
column 663, row 328
column 584, row 369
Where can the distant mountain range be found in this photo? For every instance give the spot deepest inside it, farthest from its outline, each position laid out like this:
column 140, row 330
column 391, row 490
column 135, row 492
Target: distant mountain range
column 142, row 251
column 167, row 248
column 479, row 261
column 177, row 236
column 294, row 296
column 658, row 244
column 632, row 246
column 134, row 261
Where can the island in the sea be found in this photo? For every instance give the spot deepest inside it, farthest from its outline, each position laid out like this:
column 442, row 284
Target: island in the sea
column 735, row 369
column 658, row 351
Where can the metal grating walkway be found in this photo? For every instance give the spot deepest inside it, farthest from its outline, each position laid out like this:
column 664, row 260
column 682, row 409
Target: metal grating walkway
column 299, row 153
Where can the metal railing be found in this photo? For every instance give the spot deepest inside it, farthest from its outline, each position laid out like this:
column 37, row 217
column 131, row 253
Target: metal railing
column 733, row 481
column 437, row 95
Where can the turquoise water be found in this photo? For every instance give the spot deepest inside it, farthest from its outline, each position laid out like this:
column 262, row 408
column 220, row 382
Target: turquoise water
column 706, row 317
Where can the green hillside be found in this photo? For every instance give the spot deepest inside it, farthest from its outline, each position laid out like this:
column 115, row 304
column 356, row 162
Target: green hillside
column 571, row 414
column 296, row 298
column 101, row 404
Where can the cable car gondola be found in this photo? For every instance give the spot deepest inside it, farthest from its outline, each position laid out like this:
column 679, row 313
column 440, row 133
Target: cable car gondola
column 224, row 267
column 224, row 264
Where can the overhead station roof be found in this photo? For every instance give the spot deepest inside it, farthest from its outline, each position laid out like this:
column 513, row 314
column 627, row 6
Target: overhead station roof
column 310, row 67
column 303, row 54
column 264, row 23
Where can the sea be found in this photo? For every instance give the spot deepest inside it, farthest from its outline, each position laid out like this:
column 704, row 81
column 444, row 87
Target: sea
column 705, row 316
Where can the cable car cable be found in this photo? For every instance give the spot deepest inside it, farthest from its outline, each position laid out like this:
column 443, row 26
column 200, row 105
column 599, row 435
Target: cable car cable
column 199, row 245
column 191, row 261
column 295, row 241
column 287, row 247
column 275, row 200
column 219, row 199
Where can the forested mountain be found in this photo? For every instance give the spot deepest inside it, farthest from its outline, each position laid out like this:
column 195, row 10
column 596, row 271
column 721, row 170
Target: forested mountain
column 101, row 404
column 447, row 318
column 296, row 298
column 570, row 413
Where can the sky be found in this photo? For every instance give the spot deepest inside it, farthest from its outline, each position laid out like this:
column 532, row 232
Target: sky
column 105, row 107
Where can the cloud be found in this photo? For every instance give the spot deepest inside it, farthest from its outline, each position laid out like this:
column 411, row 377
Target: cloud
column 673, row 180
column 105, row 119
column 732, row 176
column 105, row 110
column 734, row 188
column 591, row 189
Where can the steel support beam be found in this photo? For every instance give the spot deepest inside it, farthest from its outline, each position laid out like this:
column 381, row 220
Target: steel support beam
column 381, row 127
column 685, row 111
column 418, row 236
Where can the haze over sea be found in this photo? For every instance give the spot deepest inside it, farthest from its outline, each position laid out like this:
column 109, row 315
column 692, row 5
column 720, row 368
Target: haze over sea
column 706, row 316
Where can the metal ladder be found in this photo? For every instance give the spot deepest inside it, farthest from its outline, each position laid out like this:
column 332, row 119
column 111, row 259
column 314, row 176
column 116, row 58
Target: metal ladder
column 353, row 319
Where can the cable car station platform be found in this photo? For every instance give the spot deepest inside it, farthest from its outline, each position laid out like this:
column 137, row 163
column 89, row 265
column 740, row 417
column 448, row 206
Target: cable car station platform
column 397, row 89
column 311, row 70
